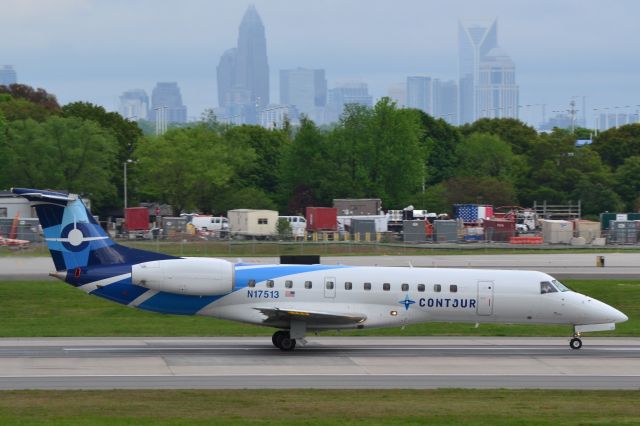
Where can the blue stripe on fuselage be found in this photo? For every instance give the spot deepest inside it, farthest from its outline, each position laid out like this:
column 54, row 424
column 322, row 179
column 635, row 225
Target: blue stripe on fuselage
column 178, row 304
column 270, row 272
column 121, row 292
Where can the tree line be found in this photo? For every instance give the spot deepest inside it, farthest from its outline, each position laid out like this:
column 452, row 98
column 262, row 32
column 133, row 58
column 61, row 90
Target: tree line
column 402, row 156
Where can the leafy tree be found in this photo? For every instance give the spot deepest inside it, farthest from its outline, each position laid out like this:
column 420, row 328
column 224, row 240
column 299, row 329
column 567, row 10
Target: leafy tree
column 514, row 132
column 268, row 146
column 482, row 154
column 22, row 109
column 304, row 167
column 126, row 132
column 36, row 96
column 480, row 189
column 63, row 153
column 627, row 183
column 186, row 167
column 616, row 145
column 439, row 140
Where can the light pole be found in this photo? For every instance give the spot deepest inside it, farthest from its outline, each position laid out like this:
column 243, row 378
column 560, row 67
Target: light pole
column 125, row 181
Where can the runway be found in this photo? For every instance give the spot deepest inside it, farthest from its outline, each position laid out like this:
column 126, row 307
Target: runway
column 324, row 363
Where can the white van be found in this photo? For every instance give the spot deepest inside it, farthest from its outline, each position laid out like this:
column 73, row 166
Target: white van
column 298, row 225
column 210, row 223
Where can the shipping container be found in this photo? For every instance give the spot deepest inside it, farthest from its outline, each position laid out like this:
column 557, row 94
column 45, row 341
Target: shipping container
column 587, row 229
column 557, row 231
column 445, row 231
column 322, row 219
column 414, row 231
column 253, row 223
column 472, row 213
column 344, row 222
column 624, row 232
column 136, row 218
column 499, row 229
column 358, row 206
column 607, row 218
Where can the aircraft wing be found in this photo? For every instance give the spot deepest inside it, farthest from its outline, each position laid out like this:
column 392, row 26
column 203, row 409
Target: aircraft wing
column 277, row 315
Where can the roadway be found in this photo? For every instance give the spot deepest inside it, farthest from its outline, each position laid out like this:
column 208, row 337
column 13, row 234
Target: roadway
column 324, row 363
column 561, row 265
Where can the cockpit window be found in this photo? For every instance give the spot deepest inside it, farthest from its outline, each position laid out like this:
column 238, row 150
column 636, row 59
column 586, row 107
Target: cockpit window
column 547, row 287
column 560, row 286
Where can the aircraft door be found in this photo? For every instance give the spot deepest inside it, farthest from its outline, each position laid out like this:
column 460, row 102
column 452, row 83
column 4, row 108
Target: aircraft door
column 330, row 287
column 484, row 305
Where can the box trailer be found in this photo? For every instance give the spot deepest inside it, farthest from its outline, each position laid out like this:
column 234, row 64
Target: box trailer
column 358, row 206
column 136, row 218
column 322, row 219
column 251, row 223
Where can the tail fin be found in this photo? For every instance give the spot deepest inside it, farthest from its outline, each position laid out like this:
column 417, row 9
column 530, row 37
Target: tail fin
column 73, row 237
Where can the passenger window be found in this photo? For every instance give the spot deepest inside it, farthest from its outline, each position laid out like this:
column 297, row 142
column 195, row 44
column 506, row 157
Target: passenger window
column 307, row 284
column 367, row 286
column 421, row 287
column 288, row 283
column 437, row 288
column 386, row 286
column 329, row 285
column 405, row 287
column 547, row 287
column 348, row 285
column 270, row 283
column 252, row 283
column 453, row 288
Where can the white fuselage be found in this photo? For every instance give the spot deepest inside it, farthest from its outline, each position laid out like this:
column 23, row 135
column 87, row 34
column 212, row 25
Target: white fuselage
column 399, row 296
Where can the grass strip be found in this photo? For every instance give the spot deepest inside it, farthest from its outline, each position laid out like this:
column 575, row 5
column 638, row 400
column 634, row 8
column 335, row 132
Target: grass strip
column 52, row 308
column 315, row 407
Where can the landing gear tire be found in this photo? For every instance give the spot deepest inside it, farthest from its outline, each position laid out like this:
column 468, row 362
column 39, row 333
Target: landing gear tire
column 287, row 343
column 575, row 343
column 277, row 337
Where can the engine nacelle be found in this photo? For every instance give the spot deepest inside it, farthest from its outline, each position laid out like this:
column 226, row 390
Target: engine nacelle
column 191, row 275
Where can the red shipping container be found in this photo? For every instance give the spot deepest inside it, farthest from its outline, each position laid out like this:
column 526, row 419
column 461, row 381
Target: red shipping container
column 322, row 219
column 499, row 229
column 136, row 218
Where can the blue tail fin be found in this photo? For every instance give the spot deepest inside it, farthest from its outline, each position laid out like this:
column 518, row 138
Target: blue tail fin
column 73, row 237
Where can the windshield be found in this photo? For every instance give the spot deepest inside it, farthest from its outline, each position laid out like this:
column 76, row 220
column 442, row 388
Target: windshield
column 547, row 287
column 560, row 286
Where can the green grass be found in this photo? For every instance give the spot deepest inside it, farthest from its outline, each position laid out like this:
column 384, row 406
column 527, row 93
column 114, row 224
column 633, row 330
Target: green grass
column 319, row 407
column 52, row 308
column 271, row 248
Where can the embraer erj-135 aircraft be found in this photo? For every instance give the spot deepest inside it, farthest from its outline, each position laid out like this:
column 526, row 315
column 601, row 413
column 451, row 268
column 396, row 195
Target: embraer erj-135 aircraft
column 298, row 299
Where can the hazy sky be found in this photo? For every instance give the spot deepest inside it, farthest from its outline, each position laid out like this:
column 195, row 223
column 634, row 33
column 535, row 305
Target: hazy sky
column 94, row 50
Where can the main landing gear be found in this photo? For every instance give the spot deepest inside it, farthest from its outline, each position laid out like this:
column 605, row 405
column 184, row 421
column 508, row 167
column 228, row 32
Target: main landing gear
column 282, row 339
column 576, row 342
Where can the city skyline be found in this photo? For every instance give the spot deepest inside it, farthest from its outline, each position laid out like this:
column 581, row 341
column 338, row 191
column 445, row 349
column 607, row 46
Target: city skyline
column 558, row 55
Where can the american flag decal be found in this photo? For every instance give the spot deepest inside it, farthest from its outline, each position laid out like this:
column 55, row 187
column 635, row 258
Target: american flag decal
column 289, row 293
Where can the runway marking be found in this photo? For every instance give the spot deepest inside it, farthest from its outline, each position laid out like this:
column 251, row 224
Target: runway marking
column 326, row 375
column 342, row 348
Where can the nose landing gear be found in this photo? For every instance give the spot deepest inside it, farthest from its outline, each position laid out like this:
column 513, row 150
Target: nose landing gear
column 576, row 342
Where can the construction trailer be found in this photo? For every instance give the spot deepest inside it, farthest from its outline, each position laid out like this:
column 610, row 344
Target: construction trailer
column 250, row 223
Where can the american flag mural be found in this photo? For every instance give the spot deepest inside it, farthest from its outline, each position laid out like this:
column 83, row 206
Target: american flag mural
column 471, row 213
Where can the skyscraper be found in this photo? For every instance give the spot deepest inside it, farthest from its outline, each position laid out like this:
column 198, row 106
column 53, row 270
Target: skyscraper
column 305, row 89
column 445, row 100
column 350, row 93
column 497, row 92
column 419, row 93
column 134, row 104
column 8, row 75
column 167, row 97
column 243, row 72
column 475, row 41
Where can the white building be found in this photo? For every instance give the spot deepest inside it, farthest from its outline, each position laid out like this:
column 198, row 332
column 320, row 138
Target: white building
column 497, row 92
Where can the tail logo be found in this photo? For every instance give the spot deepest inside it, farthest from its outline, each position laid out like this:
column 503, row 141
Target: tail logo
column 73, row 237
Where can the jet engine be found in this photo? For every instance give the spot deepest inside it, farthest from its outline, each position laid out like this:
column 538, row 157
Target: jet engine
column 191, row 276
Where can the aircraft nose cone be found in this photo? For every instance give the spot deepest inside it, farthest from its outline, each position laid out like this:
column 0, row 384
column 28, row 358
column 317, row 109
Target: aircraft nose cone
column 620, row 317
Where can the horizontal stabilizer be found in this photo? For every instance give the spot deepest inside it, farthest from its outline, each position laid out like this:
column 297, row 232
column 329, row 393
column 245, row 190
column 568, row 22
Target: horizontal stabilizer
column 276, row 315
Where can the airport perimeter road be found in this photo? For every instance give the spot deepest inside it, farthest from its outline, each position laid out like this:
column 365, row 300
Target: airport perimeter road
column 325, row 362
column 569, row 265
